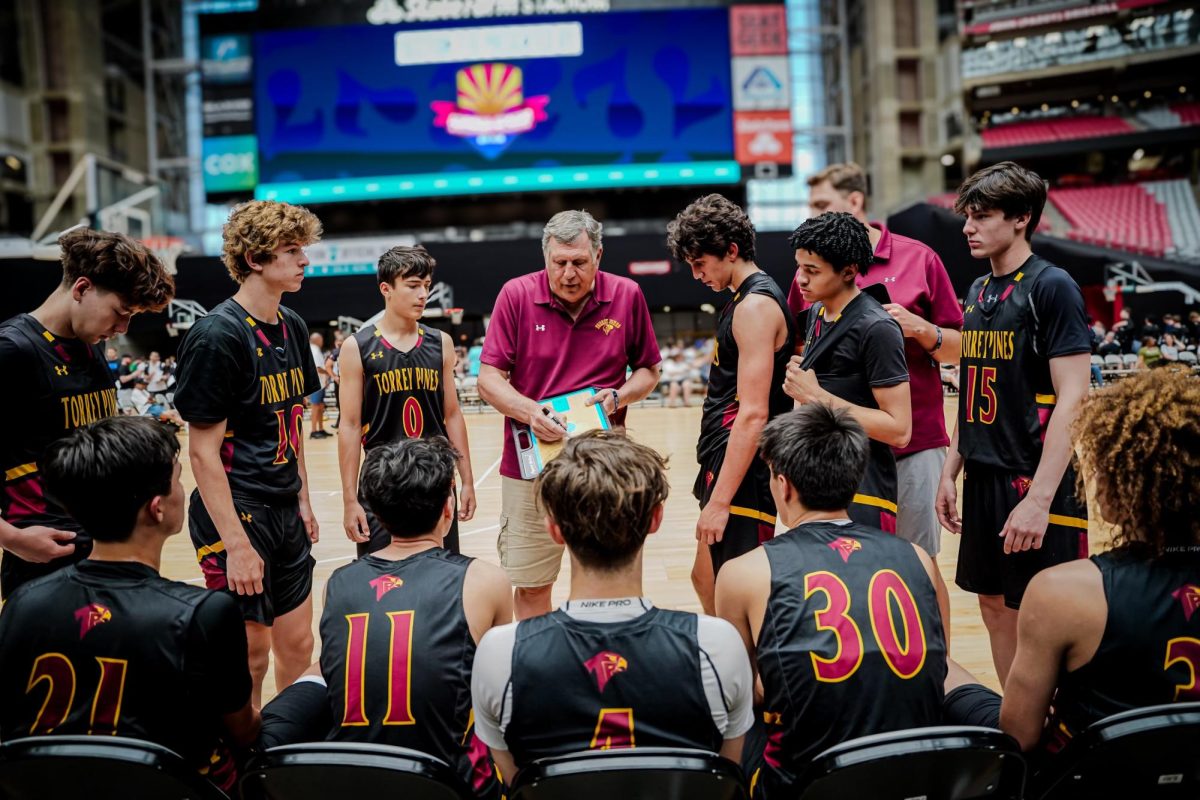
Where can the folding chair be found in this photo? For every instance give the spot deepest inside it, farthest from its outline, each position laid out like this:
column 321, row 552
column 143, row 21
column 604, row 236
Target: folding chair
column 332, row 770
column 643, row 773
column 98, row 768
column 937, row 763
column 1148, row 753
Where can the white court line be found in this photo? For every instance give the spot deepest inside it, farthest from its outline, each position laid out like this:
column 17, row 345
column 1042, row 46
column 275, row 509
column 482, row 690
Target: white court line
column 483, row 477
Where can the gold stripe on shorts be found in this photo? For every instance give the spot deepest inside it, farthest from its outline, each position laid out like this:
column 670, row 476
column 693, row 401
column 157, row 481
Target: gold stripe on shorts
column 209, row 549
column 1068, row 522
column 878, row 502
column 762, row 516
column 21, row 471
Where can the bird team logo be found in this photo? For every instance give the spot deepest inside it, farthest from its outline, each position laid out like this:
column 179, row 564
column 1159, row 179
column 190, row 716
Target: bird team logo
column 90, row 616
column 1022, row 484
column 607, row 325
column 384, row 584
column 845, row 547
column 604, row 665
column 491, row 109
column 1188, row 596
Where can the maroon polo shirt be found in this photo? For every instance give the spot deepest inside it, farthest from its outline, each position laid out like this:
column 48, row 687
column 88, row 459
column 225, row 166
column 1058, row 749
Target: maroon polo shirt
column 916, row 279
column 545, row 353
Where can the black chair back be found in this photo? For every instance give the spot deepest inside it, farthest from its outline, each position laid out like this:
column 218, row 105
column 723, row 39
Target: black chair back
column 325, row 770
column 642, row 773
column 97, row 768
column 1149, row 753
column 937, row 763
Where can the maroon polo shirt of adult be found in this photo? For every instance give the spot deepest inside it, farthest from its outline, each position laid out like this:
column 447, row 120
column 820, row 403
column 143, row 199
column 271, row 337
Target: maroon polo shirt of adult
column 546, row 353
column 916, row 279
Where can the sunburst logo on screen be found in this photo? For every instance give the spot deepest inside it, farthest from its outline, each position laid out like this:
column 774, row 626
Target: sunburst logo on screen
column 491, row 109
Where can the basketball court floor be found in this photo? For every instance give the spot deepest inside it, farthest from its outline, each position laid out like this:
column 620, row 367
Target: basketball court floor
column 668, row 555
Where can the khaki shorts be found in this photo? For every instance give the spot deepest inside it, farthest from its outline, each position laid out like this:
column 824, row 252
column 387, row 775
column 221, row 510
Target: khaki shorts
column 527, row 553
column 917, row 477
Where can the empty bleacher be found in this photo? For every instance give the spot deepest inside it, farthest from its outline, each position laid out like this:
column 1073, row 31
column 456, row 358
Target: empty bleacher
column 1089, row 126
column 1156, row 219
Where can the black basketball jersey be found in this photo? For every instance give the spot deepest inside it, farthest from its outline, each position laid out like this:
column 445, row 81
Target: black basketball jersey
column 851, row 642
column 862, row 348
column 255, row 376
column 1150, row 652
column 63, row 384
column 102, row 648
column 582, row 685
column 396, row 653
column 721, row 403
column 402, row 391
column 1007, row 395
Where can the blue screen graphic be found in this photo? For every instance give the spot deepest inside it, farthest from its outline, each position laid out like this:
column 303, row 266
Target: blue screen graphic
column 629, row 98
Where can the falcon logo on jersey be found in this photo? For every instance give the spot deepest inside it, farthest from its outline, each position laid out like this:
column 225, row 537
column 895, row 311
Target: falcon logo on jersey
column 1188, row 596
column 90, row 616
column 384, row 584
column 845, row 547
column 607, row 325
column 1022, row 484
column 604, row 665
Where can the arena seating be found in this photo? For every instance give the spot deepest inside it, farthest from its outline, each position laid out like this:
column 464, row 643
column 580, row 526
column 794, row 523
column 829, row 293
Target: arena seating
column 1183, row 217
column 660, row 773
column 98, row 768
column 323, row 770
column 1148, row 753
column 1132, row 217
column 1188, row 113
column 950, row 762
column 1090, row 126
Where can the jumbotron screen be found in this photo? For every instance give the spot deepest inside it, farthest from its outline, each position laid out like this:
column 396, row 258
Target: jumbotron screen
column 551, row 103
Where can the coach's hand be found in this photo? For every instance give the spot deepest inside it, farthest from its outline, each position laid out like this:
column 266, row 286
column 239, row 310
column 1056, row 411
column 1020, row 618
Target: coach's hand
column 910, row 324
column 1026, row 526
column 801, row 384
column 606, row 399
column 710, row 528
column 243, row 568
column 355, row 522
column 39, row 544
column 466, row 503
column 946, row 505
column 546, row 424
column 309, row 519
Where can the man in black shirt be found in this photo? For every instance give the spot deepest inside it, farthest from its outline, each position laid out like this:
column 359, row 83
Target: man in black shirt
column 853, row 354
column 244, row 371
column 842, row 619
column 755, row 337
column 1025, row 368
column 56, row 353
column 107, row 646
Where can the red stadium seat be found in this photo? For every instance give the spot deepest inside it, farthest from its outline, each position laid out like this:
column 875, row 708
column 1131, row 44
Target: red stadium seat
column 98, row 768
column 1123, row 217
column 1018, row 134
column 643, row 773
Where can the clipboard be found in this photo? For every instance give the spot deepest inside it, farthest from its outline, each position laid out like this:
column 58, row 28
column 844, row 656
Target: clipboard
column 533, row 455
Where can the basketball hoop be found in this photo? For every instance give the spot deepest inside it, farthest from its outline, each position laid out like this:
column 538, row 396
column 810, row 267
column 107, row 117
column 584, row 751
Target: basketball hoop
column 455, row 316
column 1110, row 292
column 168, row 250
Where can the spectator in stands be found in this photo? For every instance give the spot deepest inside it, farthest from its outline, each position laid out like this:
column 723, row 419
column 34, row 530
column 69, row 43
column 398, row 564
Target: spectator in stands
column 1149, row 355
column 1125, row 329
column 1150, row 328
column 675, row 384
column 149, row 404
column 1193, row 333
column 127, row 373
column 1109, row 346
column 335, row 375
column 316, row 401
column 156, row 375
column 1173, row 324
column 114, row 362
column 1169, row 347
column 473, row 358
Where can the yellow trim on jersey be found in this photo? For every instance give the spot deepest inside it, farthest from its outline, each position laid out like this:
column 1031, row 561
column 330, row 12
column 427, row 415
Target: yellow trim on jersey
column 21, row 471
column 228, row 434
column 209, row 549
column 761, row 516
column 878, row 502
column 250, row 321
column 48, row 336
column 1018, row 278
column 1045, row 399
column 1069, row 522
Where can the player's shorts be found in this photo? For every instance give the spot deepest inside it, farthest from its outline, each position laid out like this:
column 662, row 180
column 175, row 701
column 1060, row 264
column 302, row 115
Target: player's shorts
column 381, row 539
column 527, row 553
column 989, row 495
column 751, row 514
column 972, row 704
column 277, row 534
column 317, row 397
column 917, row 477
column 298, row 714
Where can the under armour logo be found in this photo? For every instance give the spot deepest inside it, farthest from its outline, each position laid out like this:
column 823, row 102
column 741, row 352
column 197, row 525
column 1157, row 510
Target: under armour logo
column 376, row 355
column 246, row 517
column 889, row 279
column 60, row 370
column 539, row 327
column 259, row 350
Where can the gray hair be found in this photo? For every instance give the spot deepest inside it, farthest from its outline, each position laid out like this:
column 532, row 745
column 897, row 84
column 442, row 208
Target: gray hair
column 565, row 227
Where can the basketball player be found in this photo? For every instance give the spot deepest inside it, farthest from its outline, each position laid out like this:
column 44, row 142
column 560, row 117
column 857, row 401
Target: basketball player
column 843, row 619
column 1025, row 369
column 400, row 625
column 56, row 354
column 397, row 381
column 929, row 314
column 853, row 355
column 1118, row 631
column 107, row 646
column 755, row 336
column 608, row 669
column 244, row 371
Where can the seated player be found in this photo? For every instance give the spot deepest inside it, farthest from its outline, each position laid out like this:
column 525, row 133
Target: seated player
column 411, row 612
column 1118, row 631
column 107, row 646
column 853, row 354
column 649, row 677
column 843, row 618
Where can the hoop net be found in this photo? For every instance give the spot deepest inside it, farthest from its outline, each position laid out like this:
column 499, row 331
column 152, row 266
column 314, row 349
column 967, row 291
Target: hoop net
column 168, row 250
